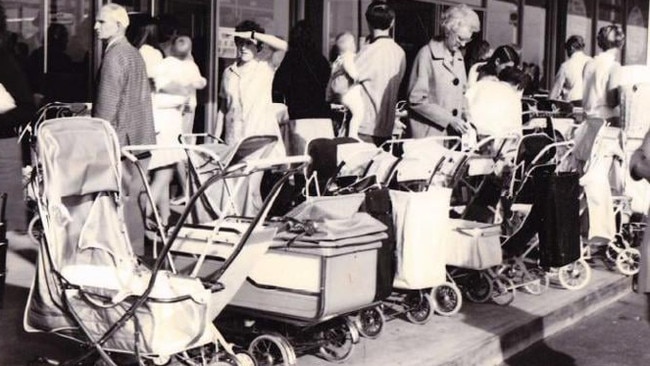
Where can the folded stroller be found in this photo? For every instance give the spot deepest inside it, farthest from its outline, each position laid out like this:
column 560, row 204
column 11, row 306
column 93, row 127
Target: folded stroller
column 91, row 288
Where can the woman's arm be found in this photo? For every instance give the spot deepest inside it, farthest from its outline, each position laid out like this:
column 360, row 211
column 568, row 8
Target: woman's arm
column 277, row 44
column 350, row 67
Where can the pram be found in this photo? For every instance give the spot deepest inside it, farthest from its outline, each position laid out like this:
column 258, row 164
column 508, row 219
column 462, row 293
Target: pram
column 328, row 267
column 91, row 288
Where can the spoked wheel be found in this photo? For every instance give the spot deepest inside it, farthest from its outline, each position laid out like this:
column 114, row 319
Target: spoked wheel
column 35, row 229
column 614, row 247
column 272, row 350
column 420, row 307
column 371, row 322
column 478, row 287
column 627, row 261
column 575, row 276
column 338, row 341
column 447, row 299
column 503, row 291
column 244, row 359
column 536, row 281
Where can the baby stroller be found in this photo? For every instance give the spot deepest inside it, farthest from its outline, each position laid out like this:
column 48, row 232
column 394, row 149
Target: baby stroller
column 91, row 288
column 328, row 253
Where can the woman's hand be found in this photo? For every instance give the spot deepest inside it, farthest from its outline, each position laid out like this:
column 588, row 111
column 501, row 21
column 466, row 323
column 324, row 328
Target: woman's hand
column 459, row 125
column 244, row 35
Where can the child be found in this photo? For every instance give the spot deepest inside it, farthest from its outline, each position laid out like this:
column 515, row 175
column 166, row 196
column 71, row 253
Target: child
column 344, row 84
column 176, row 79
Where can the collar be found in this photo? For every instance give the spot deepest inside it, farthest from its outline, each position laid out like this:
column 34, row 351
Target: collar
column 237, row 70
column 372, row 40
column 114, row 41
column 440, row 52
column 609, row 55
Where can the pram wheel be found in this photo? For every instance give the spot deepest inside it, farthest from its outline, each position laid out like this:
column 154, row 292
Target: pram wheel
column 338, row 341
column 615, row 247
column 478, row 287
column 35, row 229
column 627, row 261
column 371, row 322
column 448, row 299
column 536, row 281
column 244, row 359
column 503, row 290
column 575, row 276
column 272, row 350
column 420, row 307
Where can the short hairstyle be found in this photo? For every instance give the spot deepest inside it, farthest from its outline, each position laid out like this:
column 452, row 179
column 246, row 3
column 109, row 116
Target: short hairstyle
column 118, row 14
column 574, row 43
column 515, row 77
column 460, row 16
column 380, row 15
column 249, row 26
column 610, row 36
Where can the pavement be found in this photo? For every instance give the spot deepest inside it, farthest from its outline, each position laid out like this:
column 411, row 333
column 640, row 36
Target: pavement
column 481, row 334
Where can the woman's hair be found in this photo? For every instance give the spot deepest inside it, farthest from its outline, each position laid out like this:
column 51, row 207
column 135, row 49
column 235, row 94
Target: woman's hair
column 301, row 38
column 515, row 77
column 334, row 50
column 502, row 54
column 249, row 26
column 610, row 36
column 147, row 34
column 574, row 43
column 460, row 16
column 380, row 15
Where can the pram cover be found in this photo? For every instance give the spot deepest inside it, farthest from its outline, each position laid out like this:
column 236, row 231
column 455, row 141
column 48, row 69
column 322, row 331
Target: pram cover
column 87, row 275
column 473, row 245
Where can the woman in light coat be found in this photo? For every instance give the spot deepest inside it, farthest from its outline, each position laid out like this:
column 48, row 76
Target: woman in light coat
column 438, row 80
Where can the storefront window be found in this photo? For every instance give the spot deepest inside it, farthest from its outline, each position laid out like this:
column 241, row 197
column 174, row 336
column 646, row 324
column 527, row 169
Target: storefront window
column 579, row 15
column 501, row 22
column 532, row 44
column 52, row 40
column 636, row 43
column 342, row 16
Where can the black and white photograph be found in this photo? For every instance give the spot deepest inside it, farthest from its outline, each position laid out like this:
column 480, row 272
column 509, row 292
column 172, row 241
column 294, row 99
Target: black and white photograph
column 324, row 182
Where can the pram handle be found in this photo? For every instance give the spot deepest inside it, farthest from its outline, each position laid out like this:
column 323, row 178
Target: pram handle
column 264, row 164
column 475, row 231
column 130, row 151
column 455, row 139
column 183, row 137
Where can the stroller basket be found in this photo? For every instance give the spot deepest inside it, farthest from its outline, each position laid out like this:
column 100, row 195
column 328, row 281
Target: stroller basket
column 473, row 245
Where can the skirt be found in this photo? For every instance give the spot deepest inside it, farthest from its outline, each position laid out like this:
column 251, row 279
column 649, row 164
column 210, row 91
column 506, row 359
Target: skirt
column 169, row 125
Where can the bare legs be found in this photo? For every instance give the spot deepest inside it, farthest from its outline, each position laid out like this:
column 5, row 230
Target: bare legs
column 162, row 178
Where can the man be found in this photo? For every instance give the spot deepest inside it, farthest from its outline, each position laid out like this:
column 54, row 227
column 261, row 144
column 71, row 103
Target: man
column 123, row 98
column 568, row 81
column 381, row 64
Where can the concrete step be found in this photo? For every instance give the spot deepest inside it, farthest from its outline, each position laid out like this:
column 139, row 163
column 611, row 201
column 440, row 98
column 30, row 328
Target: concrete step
column 486, row 334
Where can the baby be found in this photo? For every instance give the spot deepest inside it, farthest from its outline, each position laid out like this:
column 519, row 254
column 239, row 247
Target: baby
column 178, row 74
column 344, row 84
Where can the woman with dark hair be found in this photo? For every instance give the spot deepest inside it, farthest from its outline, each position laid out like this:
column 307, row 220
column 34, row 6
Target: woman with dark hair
column 245, row 107
column 146, row 40
column 502, row 57
column 568, row 84
column 601, row 76
column 300, row 83
column 15, row 83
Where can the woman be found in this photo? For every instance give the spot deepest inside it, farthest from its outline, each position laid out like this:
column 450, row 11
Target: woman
column 300, row 83
column 438, row 79
column 502, row 57
column 245, row 107
column 16, row 84
column 601, row 76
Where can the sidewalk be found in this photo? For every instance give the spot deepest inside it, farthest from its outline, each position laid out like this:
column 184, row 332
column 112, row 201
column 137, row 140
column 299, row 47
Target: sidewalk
column 481, row 334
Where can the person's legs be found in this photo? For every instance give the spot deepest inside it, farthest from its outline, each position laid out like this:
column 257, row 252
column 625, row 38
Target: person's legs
column 353, row 101
column 162, row 178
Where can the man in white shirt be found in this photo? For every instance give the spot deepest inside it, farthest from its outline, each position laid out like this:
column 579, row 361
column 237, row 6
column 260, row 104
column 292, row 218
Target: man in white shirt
column 601, row 76
column 568, row 84
column 381, row 65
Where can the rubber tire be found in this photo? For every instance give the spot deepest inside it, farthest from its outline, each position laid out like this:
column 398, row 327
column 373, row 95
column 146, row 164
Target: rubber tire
column 35, row 229
column 536, row 288
column 627, row 261
column 504, row 292
column 478, row 288
column 447, row 299
column 351, row 336
column 375, row 325
column 284, row 350
column 421, row 308
column 578, row 270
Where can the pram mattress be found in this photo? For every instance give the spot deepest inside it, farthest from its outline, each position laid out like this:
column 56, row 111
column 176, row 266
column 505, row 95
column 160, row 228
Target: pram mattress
column 473, row 245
